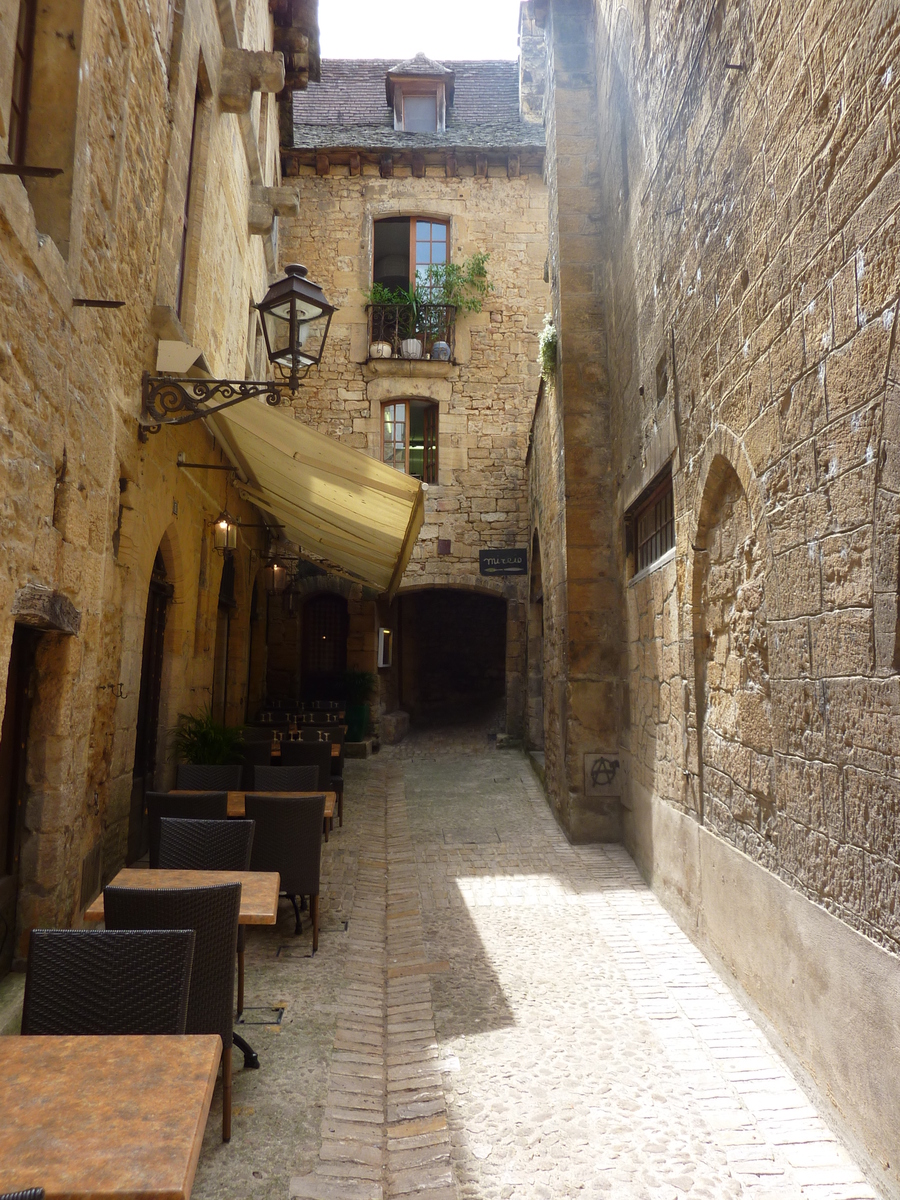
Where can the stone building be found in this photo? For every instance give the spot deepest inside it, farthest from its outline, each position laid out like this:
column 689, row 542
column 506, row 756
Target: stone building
column 715, row 497
column 399, row 166
column 142, row 253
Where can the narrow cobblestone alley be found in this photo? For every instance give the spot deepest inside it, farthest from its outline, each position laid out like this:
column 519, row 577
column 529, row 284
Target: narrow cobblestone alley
column 504, row 1017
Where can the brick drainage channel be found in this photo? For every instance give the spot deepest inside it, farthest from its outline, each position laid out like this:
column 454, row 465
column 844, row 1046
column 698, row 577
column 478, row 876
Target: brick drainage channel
column 498, row 1015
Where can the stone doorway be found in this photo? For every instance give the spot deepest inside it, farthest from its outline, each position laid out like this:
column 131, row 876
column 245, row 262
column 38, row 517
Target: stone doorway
column 451, row 650
column 13, row 755
column 147, row 735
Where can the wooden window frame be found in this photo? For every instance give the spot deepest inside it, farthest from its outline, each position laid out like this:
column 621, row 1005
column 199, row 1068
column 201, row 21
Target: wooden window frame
column 413, row 220
column 430, row 453
column 651, row 523
column 23, row 68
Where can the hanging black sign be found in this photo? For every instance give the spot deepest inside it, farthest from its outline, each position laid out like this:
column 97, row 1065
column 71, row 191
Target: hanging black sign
column 503, row 562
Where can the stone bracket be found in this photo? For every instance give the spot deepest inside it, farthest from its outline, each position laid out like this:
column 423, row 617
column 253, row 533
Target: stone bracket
column 265, row 202
column 42, row 608
column 245, row 72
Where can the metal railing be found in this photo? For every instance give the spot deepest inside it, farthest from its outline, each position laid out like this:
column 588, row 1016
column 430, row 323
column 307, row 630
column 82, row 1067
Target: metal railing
column 390, row 325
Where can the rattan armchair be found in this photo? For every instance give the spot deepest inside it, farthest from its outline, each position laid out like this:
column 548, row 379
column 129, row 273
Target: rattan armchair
column 205, row 806
column 289, row 840
column 286, row 779
column 306, row 754
column 30, row 1194
column 213, row 913
column 100, row 981
column 186, row 845
column 209, row 777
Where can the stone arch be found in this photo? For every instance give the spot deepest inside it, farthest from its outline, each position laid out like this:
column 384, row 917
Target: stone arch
column 728, row 588
column 534, row 688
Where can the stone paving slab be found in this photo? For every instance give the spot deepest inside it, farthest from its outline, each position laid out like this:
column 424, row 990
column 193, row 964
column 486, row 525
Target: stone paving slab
column 599, row 1054
column 501, row 1016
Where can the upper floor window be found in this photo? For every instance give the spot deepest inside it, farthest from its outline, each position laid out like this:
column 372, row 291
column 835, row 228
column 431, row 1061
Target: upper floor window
column 405, row 247
column 23, row 64
column 652, row 523
column 420, row 91
column 419, row 112
column 409, row 440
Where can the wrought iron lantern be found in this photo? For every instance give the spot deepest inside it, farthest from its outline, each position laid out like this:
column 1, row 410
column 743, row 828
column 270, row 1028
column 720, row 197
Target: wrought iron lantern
column 225, row 534
column 295, row 320
column 277, row 578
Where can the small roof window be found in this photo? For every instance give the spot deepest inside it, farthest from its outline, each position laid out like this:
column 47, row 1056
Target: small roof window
column 420, row 90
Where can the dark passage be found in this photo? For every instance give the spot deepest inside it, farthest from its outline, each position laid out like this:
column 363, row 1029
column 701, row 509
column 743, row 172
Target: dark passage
column 452, row 655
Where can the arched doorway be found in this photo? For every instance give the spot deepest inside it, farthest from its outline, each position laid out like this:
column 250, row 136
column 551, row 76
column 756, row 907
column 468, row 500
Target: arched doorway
column 147, row 732
column 534, row 701
column 451, row 654
column 323, row 656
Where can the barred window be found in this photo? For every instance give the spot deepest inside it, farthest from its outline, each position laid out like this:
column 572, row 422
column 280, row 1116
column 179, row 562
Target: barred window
column 654, row 524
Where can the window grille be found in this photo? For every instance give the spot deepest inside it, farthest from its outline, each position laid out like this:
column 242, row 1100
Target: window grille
column 654, row 524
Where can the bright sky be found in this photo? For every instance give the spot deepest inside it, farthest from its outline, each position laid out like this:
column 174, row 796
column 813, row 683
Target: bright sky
column 461, row 29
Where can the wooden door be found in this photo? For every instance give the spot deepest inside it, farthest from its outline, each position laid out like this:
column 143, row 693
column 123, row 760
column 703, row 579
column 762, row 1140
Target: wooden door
column 13, row 753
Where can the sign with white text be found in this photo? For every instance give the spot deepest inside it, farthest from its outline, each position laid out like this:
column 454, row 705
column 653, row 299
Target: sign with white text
column 503, row 562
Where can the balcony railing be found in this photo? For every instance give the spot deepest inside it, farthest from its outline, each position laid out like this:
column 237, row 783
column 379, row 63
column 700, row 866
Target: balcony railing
column 429, row 325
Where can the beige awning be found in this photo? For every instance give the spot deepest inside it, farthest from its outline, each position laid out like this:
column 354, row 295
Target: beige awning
column 339, row 504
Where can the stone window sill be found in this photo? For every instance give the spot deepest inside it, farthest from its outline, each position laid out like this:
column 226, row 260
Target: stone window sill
column 654, row 566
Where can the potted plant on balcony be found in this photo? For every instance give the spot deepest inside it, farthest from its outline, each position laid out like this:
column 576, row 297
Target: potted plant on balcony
column 447, row 289
column 379, row 297
column 410, row 316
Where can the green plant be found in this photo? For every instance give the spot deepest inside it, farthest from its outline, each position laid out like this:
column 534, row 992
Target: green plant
column 359, row 687
column 201, row 739
column 409, row 312
column 379, row 294
column 547, row 341
column 464, row 285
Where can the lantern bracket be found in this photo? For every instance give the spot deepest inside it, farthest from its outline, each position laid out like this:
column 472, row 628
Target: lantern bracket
column 167, row 400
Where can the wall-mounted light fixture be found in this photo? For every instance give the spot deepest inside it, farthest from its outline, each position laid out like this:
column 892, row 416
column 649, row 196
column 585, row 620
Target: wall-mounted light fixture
column 296, row 318
column 225, row 533
column 277, row 578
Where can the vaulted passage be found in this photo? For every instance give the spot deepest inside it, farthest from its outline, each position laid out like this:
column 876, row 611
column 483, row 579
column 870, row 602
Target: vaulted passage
column 452, row 654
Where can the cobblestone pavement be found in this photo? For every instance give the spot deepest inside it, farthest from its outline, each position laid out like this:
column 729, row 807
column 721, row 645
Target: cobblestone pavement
column 493, row 1013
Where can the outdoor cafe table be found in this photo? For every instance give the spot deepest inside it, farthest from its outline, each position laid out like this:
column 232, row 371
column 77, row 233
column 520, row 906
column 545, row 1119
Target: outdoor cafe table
column 335, row 748
column 237, row 807
column 259, row 889
column 105, row 1118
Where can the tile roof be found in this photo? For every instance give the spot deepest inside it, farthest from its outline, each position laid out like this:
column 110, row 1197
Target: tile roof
column 348, row 108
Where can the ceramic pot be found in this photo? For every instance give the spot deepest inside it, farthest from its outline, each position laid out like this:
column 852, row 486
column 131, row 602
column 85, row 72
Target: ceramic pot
column 441, row 351
column 411, row 348
column 380, row 350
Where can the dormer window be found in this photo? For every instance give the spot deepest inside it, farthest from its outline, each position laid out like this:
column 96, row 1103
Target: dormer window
column 420, row 91
column 420, row 113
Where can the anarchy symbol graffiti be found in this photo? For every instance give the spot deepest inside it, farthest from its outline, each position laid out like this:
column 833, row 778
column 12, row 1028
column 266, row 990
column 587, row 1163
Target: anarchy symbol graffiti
column 603, row 771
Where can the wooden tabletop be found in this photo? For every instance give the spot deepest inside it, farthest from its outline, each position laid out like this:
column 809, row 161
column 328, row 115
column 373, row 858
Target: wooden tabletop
column 236, row 805
column 335, row 747
column 105, row 1118
column 259, row 889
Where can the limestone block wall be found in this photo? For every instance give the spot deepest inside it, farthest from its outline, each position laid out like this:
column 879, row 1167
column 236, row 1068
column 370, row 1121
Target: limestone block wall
column 485, row 398
column 745, row 200
column 84, row 505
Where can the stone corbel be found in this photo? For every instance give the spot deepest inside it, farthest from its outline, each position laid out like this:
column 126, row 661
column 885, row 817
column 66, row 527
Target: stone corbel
column 265, row 202
column 245, row 72
column 42, row 608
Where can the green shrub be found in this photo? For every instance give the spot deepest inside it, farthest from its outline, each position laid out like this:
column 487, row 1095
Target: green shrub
column 201, row 739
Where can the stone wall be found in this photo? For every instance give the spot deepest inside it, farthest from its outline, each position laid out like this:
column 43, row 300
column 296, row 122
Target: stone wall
column 85, row 505
column 485, row 397
column 744, row 197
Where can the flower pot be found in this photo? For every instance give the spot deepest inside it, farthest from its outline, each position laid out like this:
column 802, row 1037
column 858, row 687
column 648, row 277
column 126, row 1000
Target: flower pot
column 411, row 348
column 441, row 351
column 380, row 350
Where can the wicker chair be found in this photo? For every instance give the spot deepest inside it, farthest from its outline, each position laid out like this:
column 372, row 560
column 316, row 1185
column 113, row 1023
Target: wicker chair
column 96, row 981
column 30, row 1194
column 289, row 840
column 205, row 806
column 256, row 754
column 307, row 754
column 186, row 845
column 202, row 777
column 213, row 913
column 286, row 779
